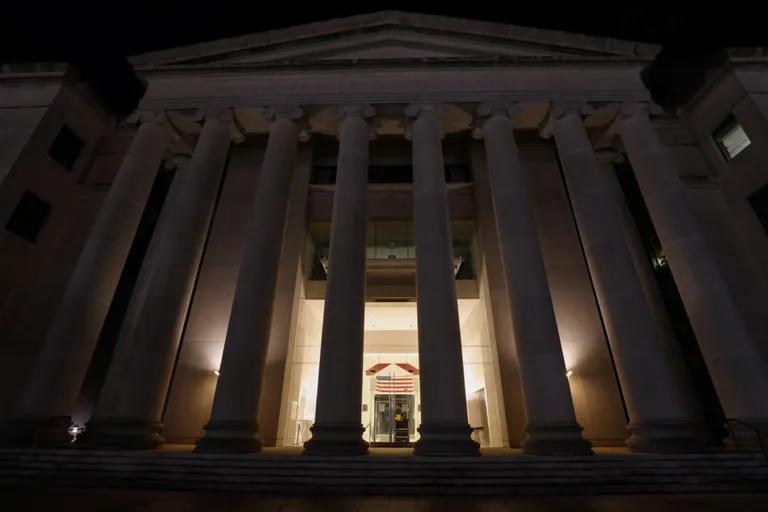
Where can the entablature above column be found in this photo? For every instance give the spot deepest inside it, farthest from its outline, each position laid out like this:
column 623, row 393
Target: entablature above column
column 600, row 82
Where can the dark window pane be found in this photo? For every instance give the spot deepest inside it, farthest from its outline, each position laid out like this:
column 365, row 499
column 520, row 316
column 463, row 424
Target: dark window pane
column 759, row 202
column 323, row 175
column 66, row 148
column 28, row 217
column 390, row 174
column 457, row 174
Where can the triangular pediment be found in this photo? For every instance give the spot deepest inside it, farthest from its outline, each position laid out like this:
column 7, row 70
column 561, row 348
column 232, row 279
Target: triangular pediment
column 392, row 36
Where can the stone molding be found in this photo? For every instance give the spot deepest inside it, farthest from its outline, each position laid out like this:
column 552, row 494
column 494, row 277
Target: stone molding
column 395, row 86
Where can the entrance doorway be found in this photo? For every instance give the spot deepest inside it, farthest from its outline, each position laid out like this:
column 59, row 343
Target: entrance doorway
column 394, row 421
column 390, row 411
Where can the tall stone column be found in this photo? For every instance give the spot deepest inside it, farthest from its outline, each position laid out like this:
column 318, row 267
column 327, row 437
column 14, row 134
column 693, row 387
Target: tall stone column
column 54, row 384
column 444, row 429
column 738, row 371
column 233, row 426
column 337, row 429
column 128, row 413
column 551, row 426
column 662, row 417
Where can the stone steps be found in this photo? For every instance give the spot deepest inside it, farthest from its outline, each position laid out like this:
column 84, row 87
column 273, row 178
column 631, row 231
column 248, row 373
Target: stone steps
column 402, row 475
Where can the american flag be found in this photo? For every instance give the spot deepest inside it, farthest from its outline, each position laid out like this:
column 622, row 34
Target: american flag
column 394, row 384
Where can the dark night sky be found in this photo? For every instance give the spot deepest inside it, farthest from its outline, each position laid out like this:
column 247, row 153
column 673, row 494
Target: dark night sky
column 98, row 36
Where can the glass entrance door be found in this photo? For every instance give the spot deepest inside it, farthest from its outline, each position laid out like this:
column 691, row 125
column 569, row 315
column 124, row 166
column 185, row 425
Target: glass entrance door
column 394, row 420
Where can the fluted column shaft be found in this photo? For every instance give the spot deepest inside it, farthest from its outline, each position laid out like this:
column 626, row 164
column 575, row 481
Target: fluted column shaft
column 661, row 416
column 550, row 418
column 128, row 412
column 444, row 429
column 738, row 371
column 233, row 425
column 337, row 428
column 60, row 368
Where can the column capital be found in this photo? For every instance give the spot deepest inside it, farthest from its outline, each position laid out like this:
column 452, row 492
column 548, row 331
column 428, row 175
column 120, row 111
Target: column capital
column 290, row 112
column 486, row 111
column 224, row 116
column 605, row 155
column 637, row 108
column 147, row 116
column 356, row 111
column 157, row 117
column 176, row 160
column 416, row 110
column 560, row 109
column 363, row 111
column 506, row 109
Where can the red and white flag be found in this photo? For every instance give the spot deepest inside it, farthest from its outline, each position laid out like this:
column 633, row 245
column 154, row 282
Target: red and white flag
column 394, row 384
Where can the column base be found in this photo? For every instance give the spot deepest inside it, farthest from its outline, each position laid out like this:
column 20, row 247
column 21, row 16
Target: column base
column 441, row 440
column 560, row 438
column 336, row 439
column 37, row 432
column 121, row 434
column 667, row 437
column 230, row 437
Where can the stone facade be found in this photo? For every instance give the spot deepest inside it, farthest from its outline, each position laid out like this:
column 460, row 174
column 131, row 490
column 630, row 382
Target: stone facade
column 565, row 264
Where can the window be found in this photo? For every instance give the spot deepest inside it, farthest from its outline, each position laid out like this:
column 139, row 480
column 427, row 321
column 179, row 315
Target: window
column 457, row 174
column 66, row 148
column 396, row 174
column 759, row 202
column 323, row 175
column 731, row 138
column 28, row 217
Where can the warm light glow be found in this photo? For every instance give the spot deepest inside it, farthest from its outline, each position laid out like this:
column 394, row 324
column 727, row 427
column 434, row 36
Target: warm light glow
column 569, row 373
column 216, row 372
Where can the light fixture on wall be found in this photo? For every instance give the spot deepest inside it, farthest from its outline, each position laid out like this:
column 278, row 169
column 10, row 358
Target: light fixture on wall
column 568, row 373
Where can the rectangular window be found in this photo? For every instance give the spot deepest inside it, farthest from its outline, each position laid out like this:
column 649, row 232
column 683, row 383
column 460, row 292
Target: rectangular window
column 28, row 217
column 759, row 202
column 731, row 138
column 66, row 148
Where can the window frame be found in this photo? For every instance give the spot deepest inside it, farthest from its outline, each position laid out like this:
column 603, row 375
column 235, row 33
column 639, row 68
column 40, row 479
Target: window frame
column 725, row 128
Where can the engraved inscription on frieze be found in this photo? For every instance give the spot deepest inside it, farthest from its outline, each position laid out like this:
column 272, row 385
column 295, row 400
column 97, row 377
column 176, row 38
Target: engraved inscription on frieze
column 400, row 85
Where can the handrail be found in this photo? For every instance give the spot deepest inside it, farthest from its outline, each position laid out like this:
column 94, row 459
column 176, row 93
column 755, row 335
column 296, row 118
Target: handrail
column 762, row 437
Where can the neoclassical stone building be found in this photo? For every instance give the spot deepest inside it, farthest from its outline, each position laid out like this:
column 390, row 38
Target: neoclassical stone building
column 391, row 230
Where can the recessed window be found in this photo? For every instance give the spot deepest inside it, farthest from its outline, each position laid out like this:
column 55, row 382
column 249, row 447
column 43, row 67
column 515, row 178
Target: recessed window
column 759, row 202
column 28, row 217
column 323, row 175
column 457, row 174
column 393, row 174
column 66, row 148
column 731, row 138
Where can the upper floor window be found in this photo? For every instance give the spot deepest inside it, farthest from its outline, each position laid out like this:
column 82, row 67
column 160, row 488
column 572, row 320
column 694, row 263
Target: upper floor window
column 393, row 174
column 28, row 217
column 66, row 148
column 731, row 138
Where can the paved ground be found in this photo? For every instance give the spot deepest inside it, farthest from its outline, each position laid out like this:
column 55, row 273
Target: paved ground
column 103, row 500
